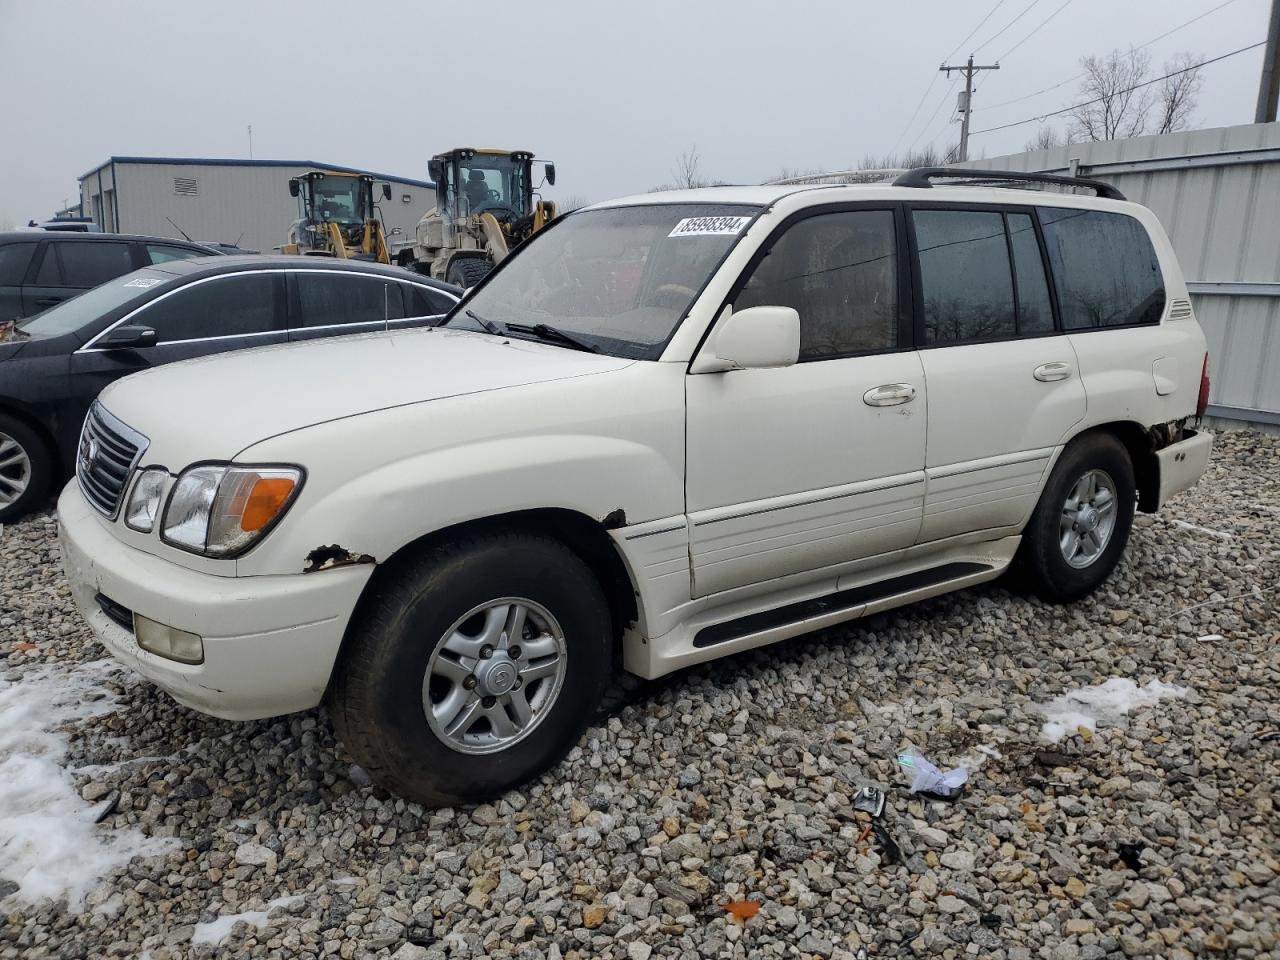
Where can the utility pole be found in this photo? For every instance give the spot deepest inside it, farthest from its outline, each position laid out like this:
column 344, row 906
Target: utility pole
column 1269, row 85
column 966, row 99
column 251, row 141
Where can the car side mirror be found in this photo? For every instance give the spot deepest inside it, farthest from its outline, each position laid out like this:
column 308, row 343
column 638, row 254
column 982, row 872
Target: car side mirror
column 435, row 170
column 293, row 187
column 386, row 191
column 550, row 173
column 396, row 231
column 129, row 338
column 753, row 339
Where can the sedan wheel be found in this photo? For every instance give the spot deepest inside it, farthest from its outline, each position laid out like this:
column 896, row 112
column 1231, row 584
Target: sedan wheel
column 15, row 470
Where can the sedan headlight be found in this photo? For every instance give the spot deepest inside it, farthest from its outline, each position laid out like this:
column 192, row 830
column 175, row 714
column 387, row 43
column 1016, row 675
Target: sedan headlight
column 220, row 510
column 144, row 502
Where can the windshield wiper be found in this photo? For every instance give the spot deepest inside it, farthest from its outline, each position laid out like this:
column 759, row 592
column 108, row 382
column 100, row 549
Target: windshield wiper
column 554, row 335
column 489, row 325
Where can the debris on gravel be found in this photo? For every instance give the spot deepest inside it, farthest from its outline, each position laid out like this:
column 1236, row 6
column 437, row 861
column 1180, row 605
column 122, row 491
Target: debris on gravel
column 1149, row 831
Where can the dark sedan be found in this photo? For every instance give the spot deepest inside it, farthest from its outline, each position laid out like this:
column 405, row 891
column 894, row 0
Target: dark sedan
column 53, row 365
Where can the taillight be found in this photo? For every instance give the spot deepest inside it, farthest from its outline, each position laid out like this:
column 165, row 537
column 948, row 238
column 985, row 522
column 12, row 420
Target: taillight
column 1203, row 402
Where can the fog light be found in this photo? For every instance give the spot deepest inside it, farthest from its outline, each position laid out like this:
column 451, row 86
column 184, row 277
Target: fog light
column 168, row 642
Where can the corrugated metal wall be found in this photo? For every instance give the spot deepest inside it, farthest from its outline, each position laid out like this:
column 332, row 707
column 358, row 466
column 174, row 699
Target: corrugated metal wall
column 246, row 203
column 1217, row 192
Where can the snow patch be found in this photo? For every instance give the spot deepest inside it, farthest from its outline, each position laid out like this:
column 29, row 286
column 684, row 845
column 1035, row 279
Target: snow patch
column 49, row 843
column 1103, row 704
column 1193, row 528
column 216, row 931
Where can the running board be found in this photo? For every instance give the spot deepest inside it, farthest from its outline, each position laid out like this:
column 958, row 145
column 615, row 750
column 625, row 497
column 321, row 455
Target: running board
column 807, row 615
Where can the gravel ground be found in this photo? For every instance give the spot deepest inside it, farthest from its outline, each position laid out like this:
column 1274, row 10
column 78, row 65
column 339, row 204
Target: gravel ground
column 734, row 781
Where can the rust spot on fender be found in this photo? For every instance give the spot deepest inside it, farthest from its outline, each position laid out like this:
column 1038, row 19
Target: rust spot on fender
column 326, row 558
column 615, row 520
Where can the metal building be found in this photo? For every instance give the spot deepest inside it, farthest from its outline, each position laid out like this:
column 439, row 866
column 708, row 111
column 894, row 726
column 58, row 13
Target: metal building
column 245, row 202
column 1217, row 192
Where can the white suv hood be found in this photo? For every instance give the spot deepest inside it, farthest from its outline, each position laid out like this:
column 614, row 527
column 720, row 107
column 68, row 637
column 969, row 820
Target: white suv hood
column 214, row 407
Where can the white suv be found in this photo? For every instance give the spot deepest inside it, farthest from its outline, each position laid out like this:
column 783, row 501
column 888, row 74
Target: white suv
column 671, row 428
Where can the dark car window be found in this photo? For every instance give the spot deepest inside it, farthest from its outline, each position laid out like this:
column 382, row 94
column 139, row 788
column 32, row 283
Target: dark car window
column 964, row 275
column 222, row 307
column 14, row 260
column 334, row 299
column 840, row 273
column 50, row 274
column 78, row 312
column 164, row 252
column 1035, row 315
column 1104, row 266
column 424, row 301
column 91, row 263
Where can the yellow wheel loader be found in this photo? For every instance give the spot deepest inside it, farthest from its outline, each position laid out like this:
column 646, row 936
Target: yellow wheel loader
column 337, row 217
column 485, row 206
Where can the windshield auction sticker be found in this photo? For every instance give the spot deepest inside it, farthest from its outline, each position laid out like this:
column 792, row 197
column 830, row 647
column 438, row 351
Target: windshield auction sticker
column 143, row 282
column 709, row 227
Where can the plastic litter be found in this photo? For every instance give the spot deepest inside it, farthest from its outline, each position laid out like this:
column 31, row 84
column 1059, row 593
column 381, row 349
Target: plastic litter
column 869, row 800
column 892, row 852
column 928, row 780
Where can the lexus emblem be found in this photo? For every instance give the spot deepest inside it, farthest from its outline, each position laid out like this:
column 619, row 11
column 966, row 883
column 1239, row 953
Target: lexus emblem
column 88, row 453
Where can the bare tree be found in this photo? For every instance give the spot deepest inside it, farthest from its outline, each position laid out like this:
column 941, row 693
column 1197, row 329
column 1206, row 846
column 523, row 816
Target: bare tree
column 1113, row 108
column 1045, row 138
column 1177, row 95
column 687, row 174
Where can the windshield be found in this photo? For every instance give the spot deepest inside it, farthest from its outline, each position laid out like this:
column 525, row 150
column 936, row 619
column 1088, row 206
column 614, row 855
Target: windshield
column 70, row 315
column 489, row 182
column 337, row 199
column 620, row 278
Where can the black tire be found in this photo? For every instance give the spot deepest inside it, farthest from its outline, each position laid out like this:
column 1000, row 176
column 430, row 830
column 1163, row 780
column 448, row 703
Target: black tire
column 33, row 475
column 376, row 697
column 1044, row 564
column 468, row 271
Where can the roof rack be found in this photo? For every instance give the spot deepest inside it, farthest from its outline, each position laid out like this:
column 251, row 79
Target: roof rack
column 921, row 177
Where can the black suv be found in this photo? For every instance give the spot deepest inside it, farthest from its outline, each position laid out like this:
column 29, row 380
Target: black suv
column 38, row 270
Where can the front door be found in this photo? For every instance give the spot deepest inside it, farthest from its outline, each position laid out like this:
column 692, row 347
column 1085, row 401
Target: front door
column 798, row 468
column 1004, row 384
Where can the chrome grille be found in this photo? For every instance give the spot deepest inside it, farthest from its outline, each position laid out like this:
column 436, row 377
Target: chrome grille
column 109, row 450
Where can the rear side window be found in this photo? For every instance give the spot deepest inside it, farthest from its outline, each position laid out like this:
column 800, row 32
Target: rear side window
column 424, row 301
column 89, row 264
column 339, row 299
column 1104, row 267
column 14, row 260
column 839, row 271
column 222, row 307
column 966, row 284
column 163, row 252
column 1035, row 314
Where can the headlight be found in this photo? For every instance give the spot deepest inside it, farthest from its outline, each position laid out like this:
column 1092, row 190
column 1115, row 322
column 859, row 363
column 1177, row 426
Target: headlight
column 220, row 510
column 144, row 503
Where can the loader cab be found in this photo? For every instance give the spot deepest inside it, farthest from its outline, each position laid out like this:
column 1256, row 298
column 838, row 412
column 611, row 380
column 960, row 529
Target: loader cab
column 470, row 182
column 342, row 198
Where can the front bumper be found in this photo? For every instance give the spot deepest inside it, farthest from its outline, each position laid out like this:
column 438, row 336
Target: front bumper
column 270, row 642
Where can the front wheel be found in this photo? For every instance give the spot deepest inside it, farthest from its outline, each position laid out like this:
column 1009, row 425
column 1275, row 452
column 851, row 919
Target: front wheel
column 1081, row 524
column 25, row 469
column 473, row 668
column 466, row 272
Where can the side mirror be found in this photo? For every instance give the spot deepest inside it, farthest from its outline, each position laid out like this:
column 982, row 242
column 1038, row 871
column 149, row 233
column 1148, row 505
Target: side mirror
column 435, row 170
column 550, row 170
column 293, row 187
column 755, row 338
column 128, row 338
column 396, row 231
column 386, row 191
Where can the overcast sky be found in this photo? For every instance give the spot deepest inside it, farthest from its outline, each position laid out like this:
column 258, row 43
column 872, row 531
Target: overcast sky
column 612, row 91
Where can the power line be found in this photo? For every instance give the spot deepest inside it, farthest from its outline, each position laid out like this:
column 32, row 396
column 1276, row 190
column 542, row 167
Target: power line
column 932, row 81
column 1063, row 83
column 946, row 95
column 1025, row 10
column 1034, row 32
column 999, row 4
column 1136, row 86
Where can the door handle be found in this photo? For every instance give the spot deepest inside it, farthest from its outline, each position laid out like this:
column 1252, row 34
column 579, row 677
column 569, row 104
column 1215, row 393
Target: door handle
column 889, row 394
column 47, row 301
column 1048, row 372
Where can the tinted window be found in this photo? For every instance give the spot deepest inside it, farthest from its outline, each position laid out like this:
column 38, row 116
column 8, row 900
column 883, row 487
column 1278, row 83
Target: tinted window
column 1104, row 267
column 329, row 299
column 222, row 307
column 89, row 264
column 425, row 302
column 162, row 252
column 1035, row 315
column 14, row 259
column 49, row 275
column 964, row 275
column 80, row 311
column 840, row 273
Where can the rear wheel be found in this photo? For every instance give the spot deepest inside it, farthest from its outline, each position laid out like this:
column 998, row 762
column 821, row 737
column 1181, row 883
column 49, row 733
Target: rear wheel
column 468, row 271
column 1082, row 522
column 25, row 468
column 473, row 668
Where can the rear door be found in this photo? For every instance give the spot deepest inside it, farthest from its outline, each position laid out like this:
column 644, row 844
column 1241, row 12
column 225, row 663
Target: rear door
column 15, row 259
column 330, row 303
column 70, row 267
column 210, row 315
column 1004, row 382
